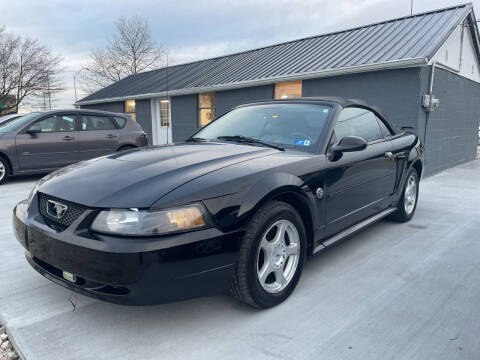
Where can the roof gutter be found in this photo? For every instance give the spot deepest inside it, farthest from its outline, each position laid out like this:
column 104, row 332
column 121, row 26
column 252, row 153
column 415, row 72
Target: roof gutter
column 403, row 63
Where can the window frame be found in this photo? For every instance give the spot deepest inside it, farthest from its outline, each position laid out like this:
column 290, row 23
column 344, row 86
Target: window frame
column 112, row 120
column 200, row 108
column 168, row 110
column 134, row 113
column 115, row 122
column 377, row 117
column 279, row 84
column 46, row 116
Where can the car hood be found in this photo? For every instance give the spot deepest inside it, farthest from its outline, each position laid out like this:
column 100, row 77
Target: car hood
column 138, row 178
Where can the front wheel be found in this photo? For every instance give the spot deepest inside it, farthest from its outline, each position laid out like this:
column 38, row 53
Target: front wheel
column 271, row 257
column 408, row 201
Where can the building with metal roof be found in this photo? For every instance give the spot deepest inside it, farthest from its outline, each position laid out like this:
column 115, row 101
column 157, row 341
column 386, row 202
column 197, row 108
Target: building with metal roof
column 399, row 65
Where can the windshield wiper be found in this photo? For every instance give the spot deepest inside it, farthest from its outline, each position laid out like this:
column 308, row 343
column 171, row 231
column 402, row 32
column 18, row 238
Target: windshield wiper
column 196, row 139
column 245, row 139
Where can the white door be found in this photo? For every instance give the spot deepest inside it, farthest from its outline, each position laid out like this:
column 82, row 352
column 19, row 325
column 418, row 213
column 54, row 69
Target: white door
column 161, row 121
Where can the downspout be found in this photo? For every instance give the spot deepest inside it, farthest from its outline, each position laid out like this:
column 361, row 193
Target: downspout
column 429, row 102
column 461, row 47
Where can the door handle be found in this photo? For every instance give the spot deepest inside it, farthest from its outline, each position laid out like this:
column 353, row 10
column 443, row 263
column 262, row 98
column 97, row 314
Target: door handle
column 68, row 138
column 389, row 155
column 111, row 136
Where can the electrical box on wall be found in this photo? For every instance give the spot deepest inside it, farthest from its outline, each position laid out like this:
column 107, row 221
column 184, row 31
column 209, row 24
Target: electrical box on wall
column 430, row 102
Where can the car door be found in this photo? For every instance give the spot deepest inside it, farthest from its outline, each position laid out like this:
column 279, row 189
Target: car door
column 98, row 136
column 53, row 147
column 358, row 184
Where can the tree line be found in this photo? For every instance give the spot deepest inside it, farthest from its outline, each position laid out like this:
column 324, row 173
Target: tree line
column 30, row 73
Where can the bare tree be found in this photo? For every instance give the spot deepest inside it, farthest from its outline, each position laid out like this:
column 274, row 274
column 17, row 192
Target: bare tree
column 130, row 50
column 27, row 69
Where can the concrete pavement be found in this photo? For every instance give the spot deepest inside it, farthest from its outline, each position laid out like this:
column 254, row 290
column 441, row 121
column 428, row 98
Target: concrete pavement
column 394, row 291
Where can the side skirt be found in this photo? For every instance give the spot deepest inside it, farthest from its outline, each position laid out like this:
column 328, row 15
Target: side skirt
column 353, row 229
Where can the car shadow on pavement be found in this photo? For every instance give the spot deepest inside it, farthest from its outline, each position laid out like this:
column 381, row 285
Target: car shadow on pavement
column 24, row 178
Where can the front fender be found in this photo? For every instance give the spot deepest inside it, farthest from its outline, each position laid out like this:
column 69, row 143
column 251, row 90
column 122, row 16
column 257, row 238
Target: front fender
column 234, row 211
column 415, row 161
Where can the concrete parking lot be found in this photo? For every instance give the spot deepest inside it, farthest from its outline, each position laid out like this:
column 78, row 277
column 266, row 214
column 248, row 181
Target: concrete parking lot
column 394, row 291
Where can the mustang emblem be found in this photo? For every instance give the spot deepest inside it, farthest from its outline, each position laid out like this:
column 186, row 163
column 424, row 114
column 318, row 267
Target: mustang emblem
column 56, row 209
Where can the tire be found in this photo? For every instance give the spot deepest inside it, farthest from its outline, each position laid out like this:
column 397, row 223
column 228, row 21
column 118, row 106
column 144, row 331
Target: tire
column 405, row 213
column 5, row 170
column 282, row 256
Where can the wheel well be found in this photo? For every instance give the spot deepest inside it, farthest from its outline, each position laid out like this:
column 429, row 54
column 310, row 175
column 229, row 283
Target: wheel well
column 417, row 165
column 299, row 204
column 3, row 156
column 127, row 146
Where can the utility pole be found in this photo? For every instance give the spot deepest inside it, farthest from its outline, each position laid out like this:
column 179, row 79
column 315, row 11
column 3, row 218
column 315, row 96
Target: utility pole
column 411, row 7
column 48, row 89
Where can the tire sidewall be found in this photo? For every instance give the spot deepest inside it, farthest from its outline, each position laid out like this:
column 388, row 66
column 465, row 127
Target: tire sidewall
column 281, row 212
column 402, row 199
column 7, row 170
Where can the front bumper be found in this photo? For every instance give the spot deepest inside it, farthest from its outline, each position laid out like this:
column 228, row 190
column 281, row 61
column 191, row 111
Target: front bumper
column 129, row 271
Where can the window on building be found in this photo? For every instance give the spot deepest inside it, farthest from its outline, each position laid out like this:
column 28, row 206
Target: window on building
column 354, row 121
column 288, row 90
column 165, row 113
column 130, row 108
column 206, row 108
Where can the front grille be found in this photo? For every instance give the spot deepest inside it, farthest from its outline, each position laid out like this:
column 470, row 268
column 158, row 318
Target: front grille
column 74, row 211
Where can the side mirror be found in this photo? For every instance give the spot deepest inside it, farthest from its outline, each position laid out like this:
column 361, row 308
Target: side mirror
column 350, row 144
column 34, row 129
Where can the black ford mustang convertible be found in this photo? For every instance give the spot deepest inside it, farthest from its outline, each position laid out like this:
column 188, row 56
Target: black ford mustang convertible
column 237, row 206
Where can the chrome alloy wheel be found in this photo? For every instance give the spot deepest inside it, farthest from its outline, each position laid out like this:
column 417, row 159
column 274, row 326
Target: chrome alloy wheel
column 2, row 171
column 278, row 256
column 410, row 195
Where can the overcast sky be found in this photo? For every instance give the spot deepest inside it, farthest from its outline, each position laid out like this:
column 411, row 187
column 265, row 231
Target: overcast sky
column 192, row 30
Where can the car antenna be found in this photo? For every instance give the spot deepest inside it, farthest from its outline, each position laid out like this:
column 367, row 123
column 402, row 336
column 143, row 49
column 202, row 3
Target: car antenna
column 168, row 104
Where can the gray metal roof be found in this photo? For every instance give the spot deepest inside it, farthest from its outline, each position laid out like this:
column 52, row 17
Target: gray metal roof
column 407, row 41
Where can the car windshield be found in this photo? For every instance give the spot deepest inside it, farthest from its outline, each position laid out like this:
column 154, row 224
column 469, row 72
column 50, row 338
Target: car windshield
column 8, row 120
column 289, row 125
column 17, row 123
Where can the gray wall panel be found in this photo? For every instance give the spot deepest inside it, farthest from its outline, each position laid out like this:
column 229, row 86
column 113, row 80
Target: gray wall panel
column 452, row 129
column 143, row 112
column 184, row 116
column 227, row 100
column 117, row 106
column 396, row 92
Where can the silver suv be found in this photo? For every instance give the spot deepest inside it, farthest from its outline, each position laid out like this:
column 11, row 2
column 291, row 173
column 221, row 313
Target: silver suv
column 42, row 142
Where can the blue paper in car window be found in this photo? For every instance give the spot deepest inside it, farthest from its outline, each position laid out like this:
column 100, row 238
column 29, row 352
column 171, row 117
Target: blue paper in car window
column 325, row 110
column 301, row 142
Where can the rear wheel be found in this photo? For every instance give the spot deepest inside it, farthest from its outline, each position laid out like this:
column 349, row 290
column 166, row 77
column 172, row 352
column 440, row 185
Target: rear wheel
column 4, row 170
column 408, row 201
column 271, row 256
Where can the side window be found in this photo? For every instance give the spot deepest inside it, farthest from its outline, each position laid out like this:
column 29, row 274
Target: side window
column 58, row 123
column 359, row 122
column 120, row 121
column 96, row 122
column 383, row 127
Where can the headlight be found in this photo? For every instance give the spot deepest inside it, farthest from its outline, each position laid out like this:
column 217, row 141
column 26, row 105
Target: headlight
column 147, row 223
column 32, row 195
